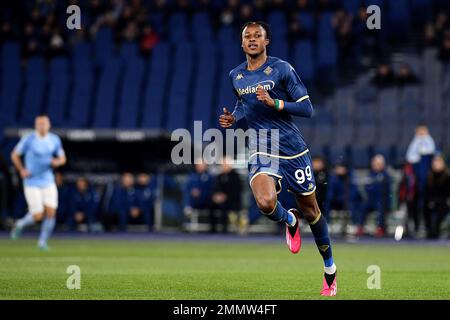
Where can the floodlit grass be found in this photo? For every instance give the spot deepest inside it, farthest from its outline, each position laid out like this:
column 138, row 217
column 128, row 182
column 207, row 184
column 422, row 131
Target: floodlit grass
column 149, row 269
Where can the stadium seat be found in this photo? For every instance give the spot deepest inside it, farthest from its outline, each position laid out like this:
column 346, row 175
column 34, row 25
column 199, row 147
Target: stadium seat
column 11, row 79
column 204, row 87
column 360, row 156
column 82, row 51
column 35, row 81
column 304, row 61
column 59, row 90
column 81, row 99
column 323, row 135
column 351, row 6
column 180, row 34
column 129, row 50
column 411, row 97
column 106, row 99
column 230, row 57
column 180, row 88
column 201, row 28
column 388, row 134
column 129, row 105
column 154, row 95
column 279, row 49
column 343, row 133
column 277, row 21
column 103, row 45
column 307, row 21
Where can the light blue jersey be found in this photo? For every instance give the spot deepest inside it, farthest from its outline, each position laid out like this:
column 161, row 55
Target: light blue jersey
column 39, row 152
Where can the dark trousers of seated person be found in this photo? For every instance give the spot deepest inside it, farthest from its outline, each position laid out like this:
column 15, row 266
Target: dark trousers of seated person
column 434, row 216
column 122, row 218
column 217, row 215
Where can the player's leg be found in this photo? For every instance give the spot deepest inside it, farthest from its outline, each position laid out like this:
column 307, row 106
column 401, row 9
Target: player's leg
column 319, row 227
column 35, row 211
column 264, row 190
column 50, row 196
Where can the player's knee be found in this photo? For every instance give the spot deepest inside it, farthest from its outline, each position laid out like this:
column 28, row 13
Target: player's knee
column 50, row 212
column 266, row 203
column 38, row 216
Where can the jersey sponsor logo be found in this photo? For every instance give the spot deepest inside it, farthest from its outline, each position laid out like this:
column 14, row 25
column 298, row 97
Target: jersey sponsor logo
column 267, row 85
column 268, row 70
column 239, row 76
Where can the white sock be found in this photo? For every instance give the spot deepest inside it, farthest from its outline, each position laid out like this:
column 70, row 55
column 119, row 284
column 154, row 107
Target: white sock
column 25, row 221
column 294, row 219
column 330, row 270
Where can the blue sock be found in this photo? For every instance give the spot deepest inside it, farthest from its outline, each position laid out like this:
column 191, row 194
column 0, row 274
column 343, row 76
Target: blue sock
column 46, row 230
column 279, row 214
column 25, row 221
column 319, row 229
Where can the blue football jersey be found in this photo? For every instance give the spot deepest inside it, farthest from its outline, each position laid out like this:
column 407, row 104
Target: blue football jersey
column 282, row 82
column 38, row 153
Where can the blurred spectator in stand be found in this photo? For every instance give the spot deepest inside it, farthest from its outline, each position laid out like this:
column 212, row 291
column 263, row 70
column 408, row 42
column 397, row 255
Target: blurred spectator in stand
column 430, row 39
column 345, row 41
column 384, row 76
column 444, row 51
column 229, row 14
column 146, row 188
column 437, row 197
column 130, row 33
column 442, row 23
column 56, row 45
column 245, row 14
column 226, row 196
column 378, row 199
column 343, row 193
column 198, row 189
column 63, row 198
column 149, row 39
column 321, row 176
column 420, row 153
column 406, row 76
column 124, row 204
column 83, row 205
column 408, row 195
column 6, row 33
column 296, row 31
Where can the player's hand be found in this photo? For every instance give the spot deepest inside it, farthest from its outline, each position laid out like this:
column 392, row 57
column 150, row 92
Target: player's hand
column 263, row 96
column 24, row 173
column 226, row 120
column 56, row 162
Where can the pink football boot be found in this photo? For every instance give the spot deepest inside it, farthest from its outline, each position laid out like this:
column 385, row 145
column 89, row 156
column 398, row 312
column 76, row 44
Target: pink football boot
column 329, row 291
column 293, row 239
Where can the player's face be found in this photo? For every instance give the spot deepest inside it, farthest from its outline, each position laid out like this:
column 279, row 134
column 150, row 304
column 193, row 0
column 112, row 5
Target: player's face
column 254, row 40
column 438, row 164
column 42, row 125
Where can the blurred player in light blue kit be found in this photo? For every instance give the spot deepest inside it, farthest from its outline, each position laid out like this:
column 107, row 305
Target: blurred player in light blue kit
column 42, row 152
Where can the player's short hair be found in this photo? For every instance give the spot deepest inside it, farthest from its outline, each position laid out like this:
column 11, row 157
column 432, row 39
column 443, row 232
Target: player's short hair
column 262, row 24
column 42, row 115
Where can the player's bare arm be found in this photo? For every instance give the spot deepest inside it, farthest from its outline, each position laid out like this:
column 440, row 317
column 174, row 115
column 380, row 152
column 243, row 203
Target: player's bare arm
column 59, row 161
column 17, row 162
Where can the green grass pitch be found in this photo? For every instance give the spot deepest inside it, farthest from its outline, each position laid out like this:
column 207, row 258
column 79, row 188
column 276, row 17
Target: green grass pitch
column 149, row 269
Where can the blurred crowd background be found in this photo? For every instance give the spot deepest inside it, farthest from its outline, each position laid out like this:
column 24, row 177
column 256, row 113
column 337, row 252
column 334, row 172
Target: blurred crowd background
column 379, row 135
